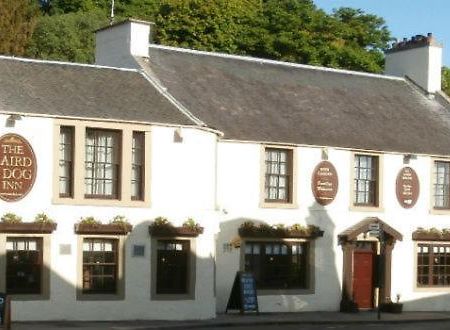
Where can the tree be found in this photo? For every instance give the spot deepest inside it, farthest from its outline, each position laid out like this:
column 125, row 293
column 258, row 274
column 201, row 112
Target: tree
column 17, row 22
column 446, row 80
column 67, row 37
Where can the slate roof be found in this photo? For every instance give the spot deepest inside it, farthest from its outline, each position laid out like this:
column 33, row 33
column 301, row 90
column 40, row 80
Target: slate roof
column 254, row 100
column 82, row 91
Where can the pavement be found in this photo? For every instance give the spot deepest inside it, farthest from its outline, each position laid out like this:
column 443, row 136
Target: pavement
column 250, row 320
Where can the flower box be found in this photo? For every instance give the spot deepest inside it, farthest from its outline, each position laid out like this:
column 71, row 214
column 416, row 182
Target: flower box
column 103, row 229
column 279, row 233
column 27, row 227
column 171, row 231
column 390, row 307
column 424, row 235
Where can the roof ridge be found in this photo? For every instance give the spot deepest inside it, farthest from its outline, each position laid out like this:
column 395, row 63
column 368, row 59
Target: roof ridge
column 274, row 62
column 96, row 66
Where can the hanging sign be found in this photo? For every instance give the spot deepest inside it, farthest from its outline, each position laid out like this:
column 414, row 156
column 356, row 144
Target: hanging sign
column 243, row 294
column 407, row 187
column 324, row 183
column 17, row 167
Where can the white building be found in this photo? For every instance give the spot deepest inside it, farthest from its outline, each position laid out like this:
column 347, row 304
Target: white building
column 223, row 140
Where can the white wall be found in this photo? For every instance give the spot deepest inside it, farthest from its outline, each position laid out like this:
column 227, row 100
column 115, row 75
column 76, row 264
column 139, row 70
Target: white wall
column 239, row 189
column 422, row 65
column 182, row 186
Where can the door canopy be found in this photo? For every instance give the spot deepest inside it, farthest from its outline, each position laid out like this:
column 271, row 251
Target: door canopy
column 351, row 233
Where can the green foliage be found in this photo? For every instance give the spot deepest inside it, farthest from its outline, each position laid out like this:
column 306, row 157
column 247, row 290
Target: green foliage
column 68, row 37
column 89, row 221
column 17, row 22
column 119, row 220
column 43, row 218
column 190, row 223
column 11, row 218
column 446, row 80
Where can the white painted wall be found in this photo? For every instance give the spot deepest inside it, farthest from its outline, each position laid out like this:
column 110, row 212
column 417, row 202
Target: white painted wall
column 182, row 186
column 116, row 45
column 423, row 65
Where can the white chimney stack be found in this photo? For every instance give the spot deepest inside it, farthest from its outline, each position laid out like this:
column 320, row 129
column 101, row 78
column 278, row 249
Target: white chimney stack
column 419, row 59
column 116, row 45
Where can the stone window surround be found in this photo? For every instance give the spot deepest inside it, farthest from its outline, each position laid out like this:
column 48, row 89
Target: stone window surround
column 366, row 208
column 79, row 198
column 45, row 279
column 120, row 294
column 417, row 288
column 293, row 191
column 433, row 210
column 192, row 272
column 310, row 279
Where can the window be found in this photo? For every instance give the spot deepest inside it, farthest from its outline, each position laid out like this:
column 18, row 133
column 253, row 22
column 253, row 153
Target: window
column 66, row 161
column 99, row 265
column 277, row 265
column 433, row 265
column 366, row 180
column 172, row 266
column 278, row 175
column 102, row 164
column 137, row 166
column 24, row 265
column 442, row 185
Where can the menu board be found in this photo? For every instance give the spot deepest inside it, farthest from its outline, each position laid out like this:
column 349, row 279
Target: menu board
column 407, row 187
column 243, row 295
column 324, row 183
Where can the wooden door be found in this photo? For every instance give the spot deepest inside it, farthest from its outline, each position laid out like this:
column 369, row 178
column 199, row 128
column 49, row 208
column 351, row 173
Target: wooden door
column 363, row 278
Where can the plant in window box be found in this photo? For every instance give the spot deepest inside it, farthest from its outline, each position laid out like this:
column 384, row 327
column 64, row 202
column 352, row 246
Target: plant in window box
column 162, row 227
column 121, row 222
column 89, row 225
column 11, row 223
column 392, row 307
column 432, row 234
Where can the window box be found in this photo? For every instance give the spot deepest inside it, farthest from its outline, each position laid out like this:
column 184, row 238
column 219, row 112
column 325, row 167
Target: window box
column 171, row 231
column 431, row 235
column 264, row 230
column 103, row 229
column 27, row 227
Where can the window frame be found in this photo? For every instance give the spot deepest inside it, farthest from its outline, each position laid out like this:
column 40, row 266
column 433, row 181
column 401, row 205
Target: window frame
column 124, row 192
column 434, row 184
column 45, row 272
column 191, row 272
column 291, row 201
column 71, row 131
column 120, row 269
column 427, row 288
column 141, row 182
column 361, row 207
column 116, row 181
column 310, row 261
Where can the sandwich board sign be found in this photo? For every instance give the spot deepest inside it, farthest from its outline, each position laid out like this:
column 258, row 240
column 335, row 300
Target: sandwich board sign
column 243, row 295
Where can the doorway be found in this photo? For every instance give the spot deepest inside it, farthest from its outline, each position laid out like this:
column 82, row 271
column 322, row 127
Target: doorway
column 363, row 275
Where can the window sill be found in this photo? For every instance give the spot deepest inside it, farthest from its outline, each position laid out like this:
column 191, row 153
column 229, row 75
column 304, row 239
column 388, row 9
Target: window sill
column 172, row 297
column 440, row 211
column 99, row 296
column 287, row 292
column 432, row 289
column 277, row 205
column 366, row 208
column 29, row 297
column 100, row 202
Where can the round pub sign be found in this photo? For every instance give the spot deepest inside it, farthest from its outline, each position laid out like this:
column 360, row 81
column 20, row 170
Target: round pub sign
column 324, row 183
column 17, row 167
column 407, row 187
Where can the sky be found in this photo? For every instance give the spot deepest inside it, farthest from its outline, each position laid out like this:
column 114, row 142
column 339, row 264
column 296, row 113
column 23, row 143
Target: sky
column 405, row 18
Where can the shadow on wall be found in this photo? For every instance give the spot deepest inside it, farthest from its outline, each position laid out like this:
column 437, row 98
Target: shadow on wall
column 134, row 298
column 325, row 283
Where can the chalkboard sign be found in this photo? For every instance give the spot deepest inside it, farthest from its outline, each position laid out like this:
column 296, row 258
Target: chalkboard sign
column 2, row 308
column 243, row 294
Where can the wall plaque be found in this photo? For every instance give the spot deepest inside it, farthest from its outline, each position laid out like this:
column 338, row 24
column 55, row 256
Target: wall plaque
column 324, row 183
column 407, row 187
column 17, row 167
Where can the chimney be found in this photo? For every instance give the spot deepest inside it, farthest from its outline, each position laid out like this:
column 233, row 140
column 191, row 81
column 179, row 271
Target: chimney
column 419, row 58
column 117, row 44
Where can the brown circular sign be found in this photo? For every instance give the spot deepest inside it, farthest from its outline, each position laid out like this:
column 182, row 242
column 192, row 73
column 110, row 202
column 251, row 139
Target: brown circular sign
column 324, row 183
column 407, row 187
column 17, row 167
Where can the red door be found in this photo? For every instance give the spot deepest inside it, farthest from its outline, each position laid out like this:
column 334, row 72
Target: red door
column 363, row 278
